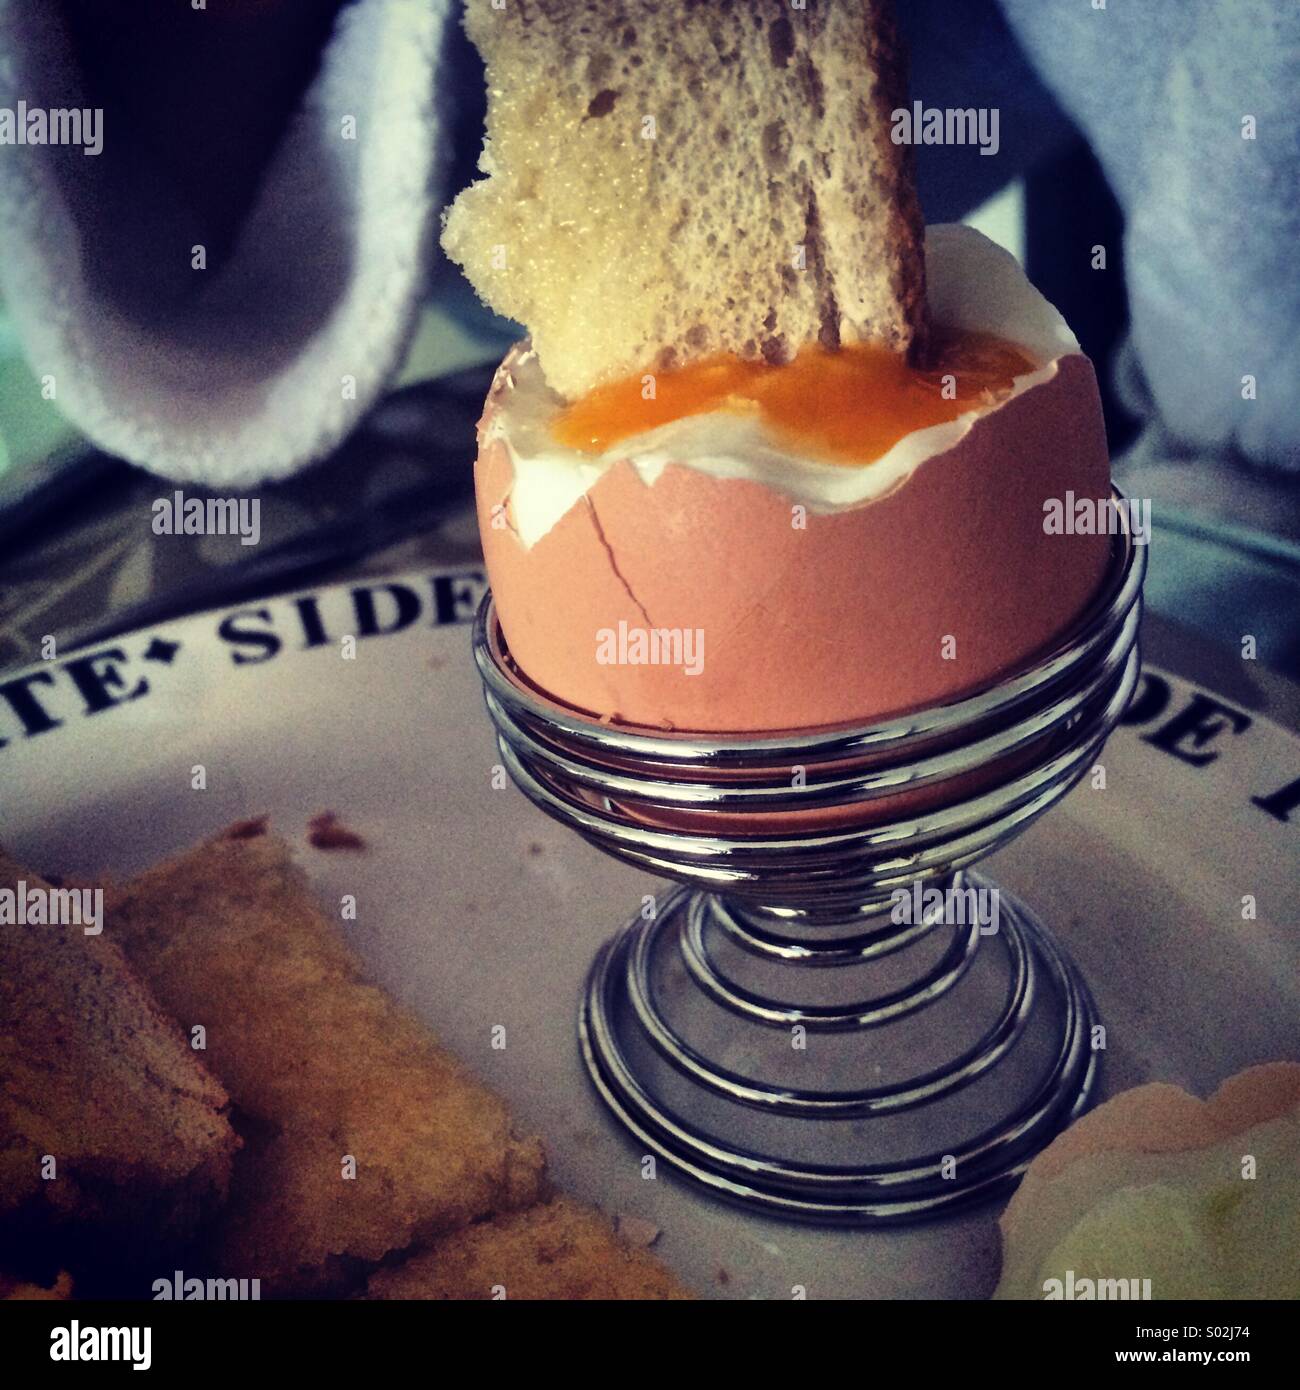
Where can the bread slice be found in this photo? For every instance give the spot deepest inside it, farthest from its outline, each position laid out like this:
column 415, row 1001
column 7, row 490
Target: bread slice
column 668, row 181
column 94, row 1075
column 323, row 1065
column 556, row 1250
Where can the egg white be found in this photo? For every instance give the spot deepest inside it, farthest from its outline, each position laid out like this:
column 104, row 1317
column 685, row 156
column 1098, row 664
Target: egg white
column 972, row 283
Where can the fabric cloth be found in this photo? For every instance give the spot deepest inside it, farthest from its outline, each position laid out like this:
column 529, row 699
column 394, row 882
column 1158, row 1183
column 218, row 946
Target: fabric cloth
column 247, row 377
column 253, row 370
column 1166, row 94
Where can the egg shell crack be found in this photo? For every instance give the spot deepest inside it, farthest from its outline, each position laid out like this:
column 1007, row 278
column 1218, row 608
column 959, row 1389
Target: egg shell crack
column 613, row 559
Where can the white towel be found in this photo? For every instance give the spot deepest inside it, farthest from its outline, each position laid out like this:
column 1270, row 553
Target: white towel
column 276, row 354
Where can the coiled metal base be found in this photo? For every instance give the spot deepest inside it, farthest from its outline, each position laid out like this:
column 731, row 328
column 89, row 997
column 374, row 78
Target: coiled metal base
column 959, row 1171
column 723, row 1026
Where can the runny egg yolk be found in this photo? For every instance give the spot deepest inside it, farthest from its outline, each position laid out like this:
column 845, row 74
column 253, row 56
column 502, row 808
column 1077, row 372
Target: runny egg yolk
column 850, row 406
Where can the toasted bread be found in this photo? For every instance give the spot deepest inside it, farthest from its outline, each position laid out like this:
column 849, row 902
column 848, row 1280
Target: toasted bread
column 669, row 181
column 556, row 1250
column 324, row 1066
column 99, row 1088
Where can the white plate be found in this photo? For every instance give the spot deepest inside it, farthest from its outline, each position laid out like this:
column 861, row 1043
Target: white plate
column 477, row 910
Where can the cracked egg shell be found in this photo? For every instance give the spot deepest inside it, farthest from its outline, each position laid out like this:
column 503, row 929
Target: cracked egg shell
column 1158, row 1140
column 842, row 619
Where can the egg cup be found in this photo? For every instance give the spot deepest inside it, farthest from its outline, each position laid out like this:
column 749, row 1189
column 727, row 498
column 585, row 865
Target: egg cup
column 809, row 858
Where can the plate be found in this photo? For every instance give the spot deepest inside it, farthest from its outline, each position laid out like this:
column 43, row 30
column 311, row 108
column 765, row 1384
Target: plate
column 1173, row 879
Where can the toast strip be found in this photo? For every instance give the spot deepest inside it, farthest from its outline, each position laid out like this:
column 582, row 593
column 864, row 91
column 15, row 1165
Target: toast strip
column 94, row 1075
column 665, row 182
column 323, row 1065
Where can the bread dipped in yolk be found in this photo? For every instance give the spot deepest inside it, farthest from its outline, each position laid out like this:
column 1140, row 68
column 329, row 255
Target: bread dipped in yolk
column 849, row 406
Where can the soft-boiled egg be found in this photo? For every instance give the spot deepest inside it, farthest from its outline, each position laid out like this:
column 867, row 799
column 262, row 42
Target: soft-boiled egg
column 737, row 547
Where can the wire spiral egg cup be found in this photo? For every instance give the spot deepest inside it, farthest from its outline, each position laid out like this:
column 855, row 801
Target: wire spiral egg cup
column 800, row 858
